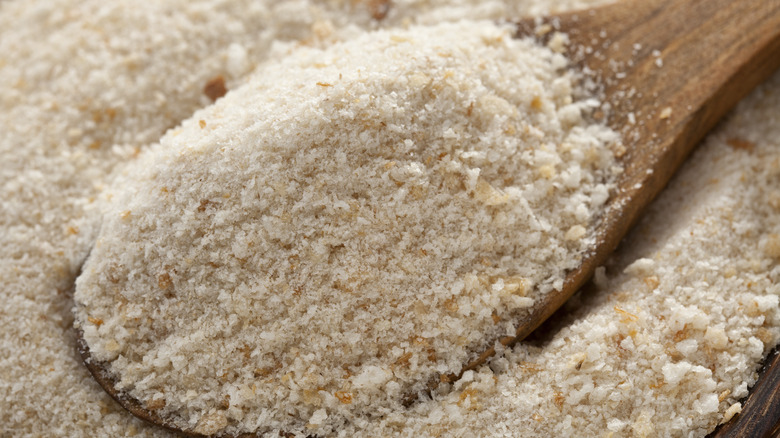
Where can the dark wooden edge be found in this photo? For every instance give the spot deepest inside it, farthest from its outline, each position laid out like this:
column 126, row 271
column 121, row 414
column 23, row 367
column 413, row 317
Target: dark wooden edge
column 760, row 416
column 103, row 377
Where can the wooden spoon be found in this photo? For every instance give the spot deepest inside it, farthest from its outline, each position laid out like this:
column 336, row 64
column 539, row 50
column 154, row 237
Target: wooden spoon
column 668, row 70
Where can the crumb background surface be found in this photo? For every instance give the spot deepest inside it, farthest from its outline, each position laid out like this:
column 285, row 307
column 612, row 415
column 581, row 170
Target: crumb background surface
column 82, row 95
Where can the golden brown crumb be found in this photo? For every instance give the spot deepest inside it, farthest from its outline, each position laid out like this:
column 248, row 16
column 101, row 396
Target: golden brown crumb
column 204, row 204
column 379, row 8
column 404, row 360
column 343, row 396
column 652, row 281
column 558, row 398
column 164, row 281
column 740, row 144
column 627, row 317
column 468, row 394
column 681, row 335
column 536, row 103
column 155, row 404
column 225, row 403
column 215, row 88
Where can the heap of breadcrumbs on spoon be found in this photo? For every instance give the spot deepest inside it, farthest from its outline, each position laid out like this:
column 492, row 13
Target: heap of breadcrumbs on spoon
column 348, row 225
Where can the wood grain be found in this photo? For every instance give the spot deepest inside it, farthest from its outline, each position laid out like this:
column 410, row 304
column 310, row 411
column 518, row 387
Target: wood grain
column 712, row 53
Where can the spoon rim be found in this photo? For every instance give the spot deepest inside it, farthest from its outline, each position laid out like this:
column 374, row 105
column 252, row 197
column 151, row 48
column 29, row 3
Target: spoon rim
column 104, row 378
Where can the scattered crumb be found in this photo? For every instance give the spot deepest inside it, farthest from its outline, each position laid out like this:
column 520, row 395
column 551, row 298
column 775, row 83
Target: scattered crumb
column 379, row 8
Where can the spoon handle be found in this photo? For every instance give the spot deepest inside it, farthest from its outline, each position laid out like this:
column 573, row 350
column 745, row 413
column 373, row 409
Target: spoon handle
column 671, row 70
column 677, row 67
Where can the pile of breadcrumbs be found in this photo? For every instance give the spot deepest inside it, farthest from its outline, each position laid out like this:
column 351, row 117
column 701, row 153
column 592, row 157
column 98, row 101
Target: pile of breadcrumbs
column 668, row 344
